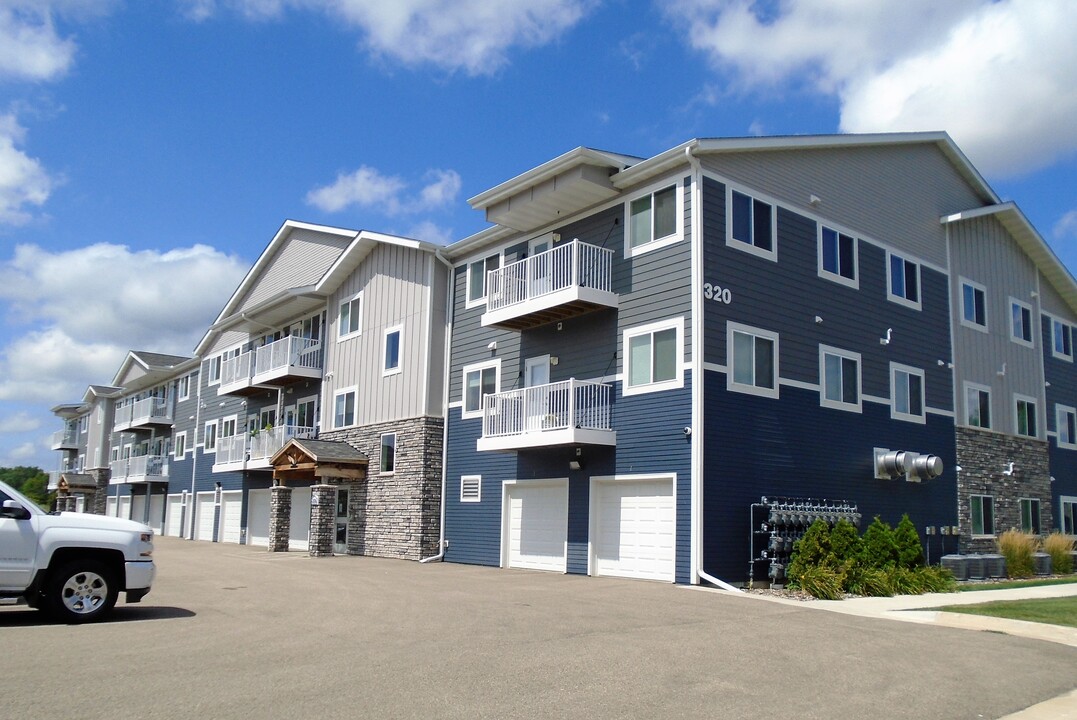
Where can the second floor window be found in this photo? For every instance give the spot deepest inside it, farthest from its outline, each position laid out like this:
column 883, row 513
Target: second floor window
column 652, row 355
column 653, row 217
column 350, row 317
column 1067, row 426
column 392, row 351
column 837, row 256
column 479, row 381
column 752, row 224
column 344, row 408
column 1020, row 322
column 841, row 379
column 907, row 385
column 753, row 360
column 1061, row 336
column 476, row 277
column 904, row 281
column 973, row 305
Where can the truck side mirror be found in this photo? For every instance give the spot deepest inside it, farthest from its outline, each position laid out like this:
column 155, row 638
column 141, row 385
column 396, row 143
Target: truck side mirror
column 14, row 510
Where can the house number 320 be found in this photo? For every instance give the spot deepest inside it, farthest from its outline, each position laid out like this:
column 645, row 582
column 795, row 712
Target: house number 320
column 717, row 293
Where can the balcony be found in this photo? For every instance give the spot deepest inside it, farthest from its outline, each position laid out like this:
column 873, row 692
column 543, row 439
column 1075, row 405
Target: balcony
column 142, row 469
column 252, row 452
column 561, row 283
column 572, row 412
column 143, row 414
column 66, row 439
column 236, row 375
column 287, row 360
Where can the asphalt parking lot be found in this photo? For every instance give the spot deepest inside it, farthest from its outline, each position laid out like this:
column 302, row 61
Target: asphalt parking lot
column 236, row 632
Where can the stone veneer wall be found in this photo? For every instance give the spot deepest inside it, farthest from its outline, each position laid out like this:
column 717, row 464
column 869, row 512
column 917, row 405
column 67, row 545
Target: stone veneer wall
column 397, row 514
column 983, row 455
column 100, row 496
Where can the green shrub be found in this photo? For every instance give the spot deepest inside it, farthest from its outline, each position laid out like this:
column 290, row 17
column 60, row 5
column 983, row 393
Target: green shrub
column 936, row 579
column 904, row 581
column 844, row 545
column 822, row 582
column 812, row 550
column 1017, row 547
column 910, row 550
column 878, row 549
column 869, row 582
column 1059, row 547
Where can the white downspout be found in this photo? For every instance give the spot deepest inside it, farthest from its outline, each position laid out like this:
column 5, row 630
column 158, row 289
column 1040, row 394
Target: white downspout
column 698, row 396
column 449, row 283
column 189, row 510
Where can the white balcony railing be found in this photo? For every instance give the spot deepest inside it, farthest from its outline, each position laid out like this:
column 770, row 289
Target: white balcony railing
column 65, row 439
column 265, row 443
column 231, row 449
column 148, row 411
column 236, row 371
column 574, row 264
column 279, row 358
column 144, row 468
column 572, row 411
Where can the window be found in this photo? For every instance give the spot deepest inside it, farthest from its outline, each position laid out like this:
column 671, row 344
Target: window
column 213, row 370
column 1061, row 340
column 837, row 256
column 1068, row 523
column 209, row 438
column 1025, row 416
column 228, row 427
column 476, row 278
column 839, row 377
column 982, row 514
column 183, row 387
column 752, row 225
column 388, row 453
column 977, row 405
column 350, row 317
column 1021, row 322
column 471, row 488
column 652, row 219
column 1066, row 424
column 654, row 359
column 1030, row 515
column 391, row 353
column 179, row 445
column 752, row 360
column 906, row 393
column 904, row 281
column 479, row 380
column 973, row 305
column 344, row 408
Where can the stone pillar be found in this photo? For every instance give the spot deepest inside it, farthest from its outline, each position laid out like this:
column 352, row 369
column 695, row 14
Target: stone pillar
column 323, row 520
column 100, row 496
column 280, row 518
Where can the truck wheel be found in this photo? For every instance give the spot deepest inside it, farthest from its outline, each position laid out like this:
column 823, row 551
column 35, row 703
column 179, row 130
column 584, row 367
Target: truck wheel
column 81, row 591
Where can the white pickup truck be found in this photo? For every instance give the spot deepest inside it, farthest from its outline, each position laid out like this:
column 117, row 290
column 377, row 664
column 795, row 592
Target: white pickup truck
column 72, row 565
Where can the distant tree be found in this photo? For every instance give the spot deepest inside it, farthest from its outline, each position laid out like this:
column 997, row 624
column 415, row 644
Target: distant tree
column 16, row 476
column 37, row 489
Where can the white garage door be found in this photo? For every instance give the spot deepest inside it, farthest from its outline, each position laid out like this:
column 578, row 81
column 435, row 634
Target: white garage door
column 174, row 515
column 110, row 507
column 536, row 525
column 125, row 506
column 138, row 508
column 157, row 511
column 258, row 517
column 203, row 516
column 634, row 529
column 231, row 515
column 299, row 536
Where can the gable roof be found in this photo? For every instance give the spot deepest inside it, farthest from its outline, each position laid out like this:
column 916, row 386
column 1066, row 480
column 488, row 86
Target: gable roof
column 157, row 367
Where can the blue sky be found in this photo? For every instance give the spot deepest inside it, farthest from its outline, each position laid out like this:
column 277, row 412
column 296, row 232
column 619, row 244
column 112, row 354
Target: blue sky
column 150, row 149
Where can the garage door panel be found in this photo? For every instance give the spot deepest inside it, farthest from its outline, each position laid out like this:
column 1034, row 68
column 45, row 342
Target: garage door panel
column 204, row 516
column 157, row 506
column 635, row 530
column 258, row 517
column 299, row 532
column 537, row 526
column 231, row 516
column 138, row 508
column 174, row 515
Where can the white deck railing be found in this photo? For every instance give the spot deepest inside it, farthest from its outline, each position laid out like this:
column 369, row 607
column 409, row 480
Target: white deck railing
column 66, row 438
column 231, row 449
column 557, row 406
column 151, row 409
column 147, row 465
column 288, row 352
column 265, row 443
column 572, row 264
column 236, row 369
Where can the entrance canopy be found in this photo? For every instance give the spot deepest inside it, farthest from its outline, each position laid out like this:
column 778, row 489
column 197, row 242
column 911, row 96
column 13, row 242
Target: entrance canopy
column 305, row 460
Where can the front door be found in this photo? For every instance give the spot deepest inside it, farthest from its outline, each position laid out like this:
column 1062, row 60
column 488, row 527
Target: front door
column 540, row 266
column 340, row 542
column 536, row 396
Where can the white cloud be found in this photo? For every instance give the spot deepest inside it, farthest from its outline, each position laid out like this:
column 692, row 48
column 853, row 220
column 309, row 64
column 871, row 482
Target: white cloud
column 368, row 188
column 30, row 48
column 51, row 366
column 431, row 233
column 1066, row 227
column 473, row 36
column 18, row 455
column 23, row 181
column 999, row 76
column 18, row 422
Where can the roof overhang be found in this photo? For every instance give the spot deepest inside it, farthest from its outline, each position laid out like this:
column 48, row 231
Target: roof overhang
column 305, row 460
column 272, row 312
column 1018, row 226
column 153, row 374
column 70, row 410
column 364, row 244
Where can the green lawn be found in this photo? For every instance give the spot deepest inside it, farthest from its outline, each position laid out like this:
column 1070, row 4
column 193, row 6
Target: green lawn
column 1054, row 611
column 973, row 587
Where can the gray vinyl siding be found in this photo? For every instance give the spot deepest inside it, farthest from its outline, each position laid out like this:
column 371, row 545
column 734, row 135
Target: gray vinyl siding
column 394, row 282
column 439, row 312
column 225, row 341
column 1051, row 301
column 982, row 251
column 893, row 195
column 97, row 443
column 300, row 261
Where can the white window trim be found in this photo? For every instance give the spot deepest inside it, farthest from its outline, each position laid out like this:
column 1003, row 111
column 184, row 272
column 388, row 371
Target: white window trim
column 858, row 406
column 1017, row 397
column 176, row 442
column 216, row 436
column 894, row 414
column 1064, row 500
column 1061, row 410
column 1031, row 323
column 752, row 249
column 655, row 243
column 221, row 422
column 381, row 449
column 386, row 372
column 481, row 301
column 677, row 324
column 477, row 480
column 984, row 535
column 187, row 392
column 901, row 299
column 467, row 369
column 854, row 282
column 341, row 335
column 734, row 386
column 990, row 404
column 354, row 390
column 962, row 282
column 1054, row 351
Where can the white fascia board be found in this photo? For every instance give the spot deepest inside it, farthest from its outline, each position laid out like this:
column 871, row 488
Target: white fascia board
column 493, row 235
column 364, row 243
